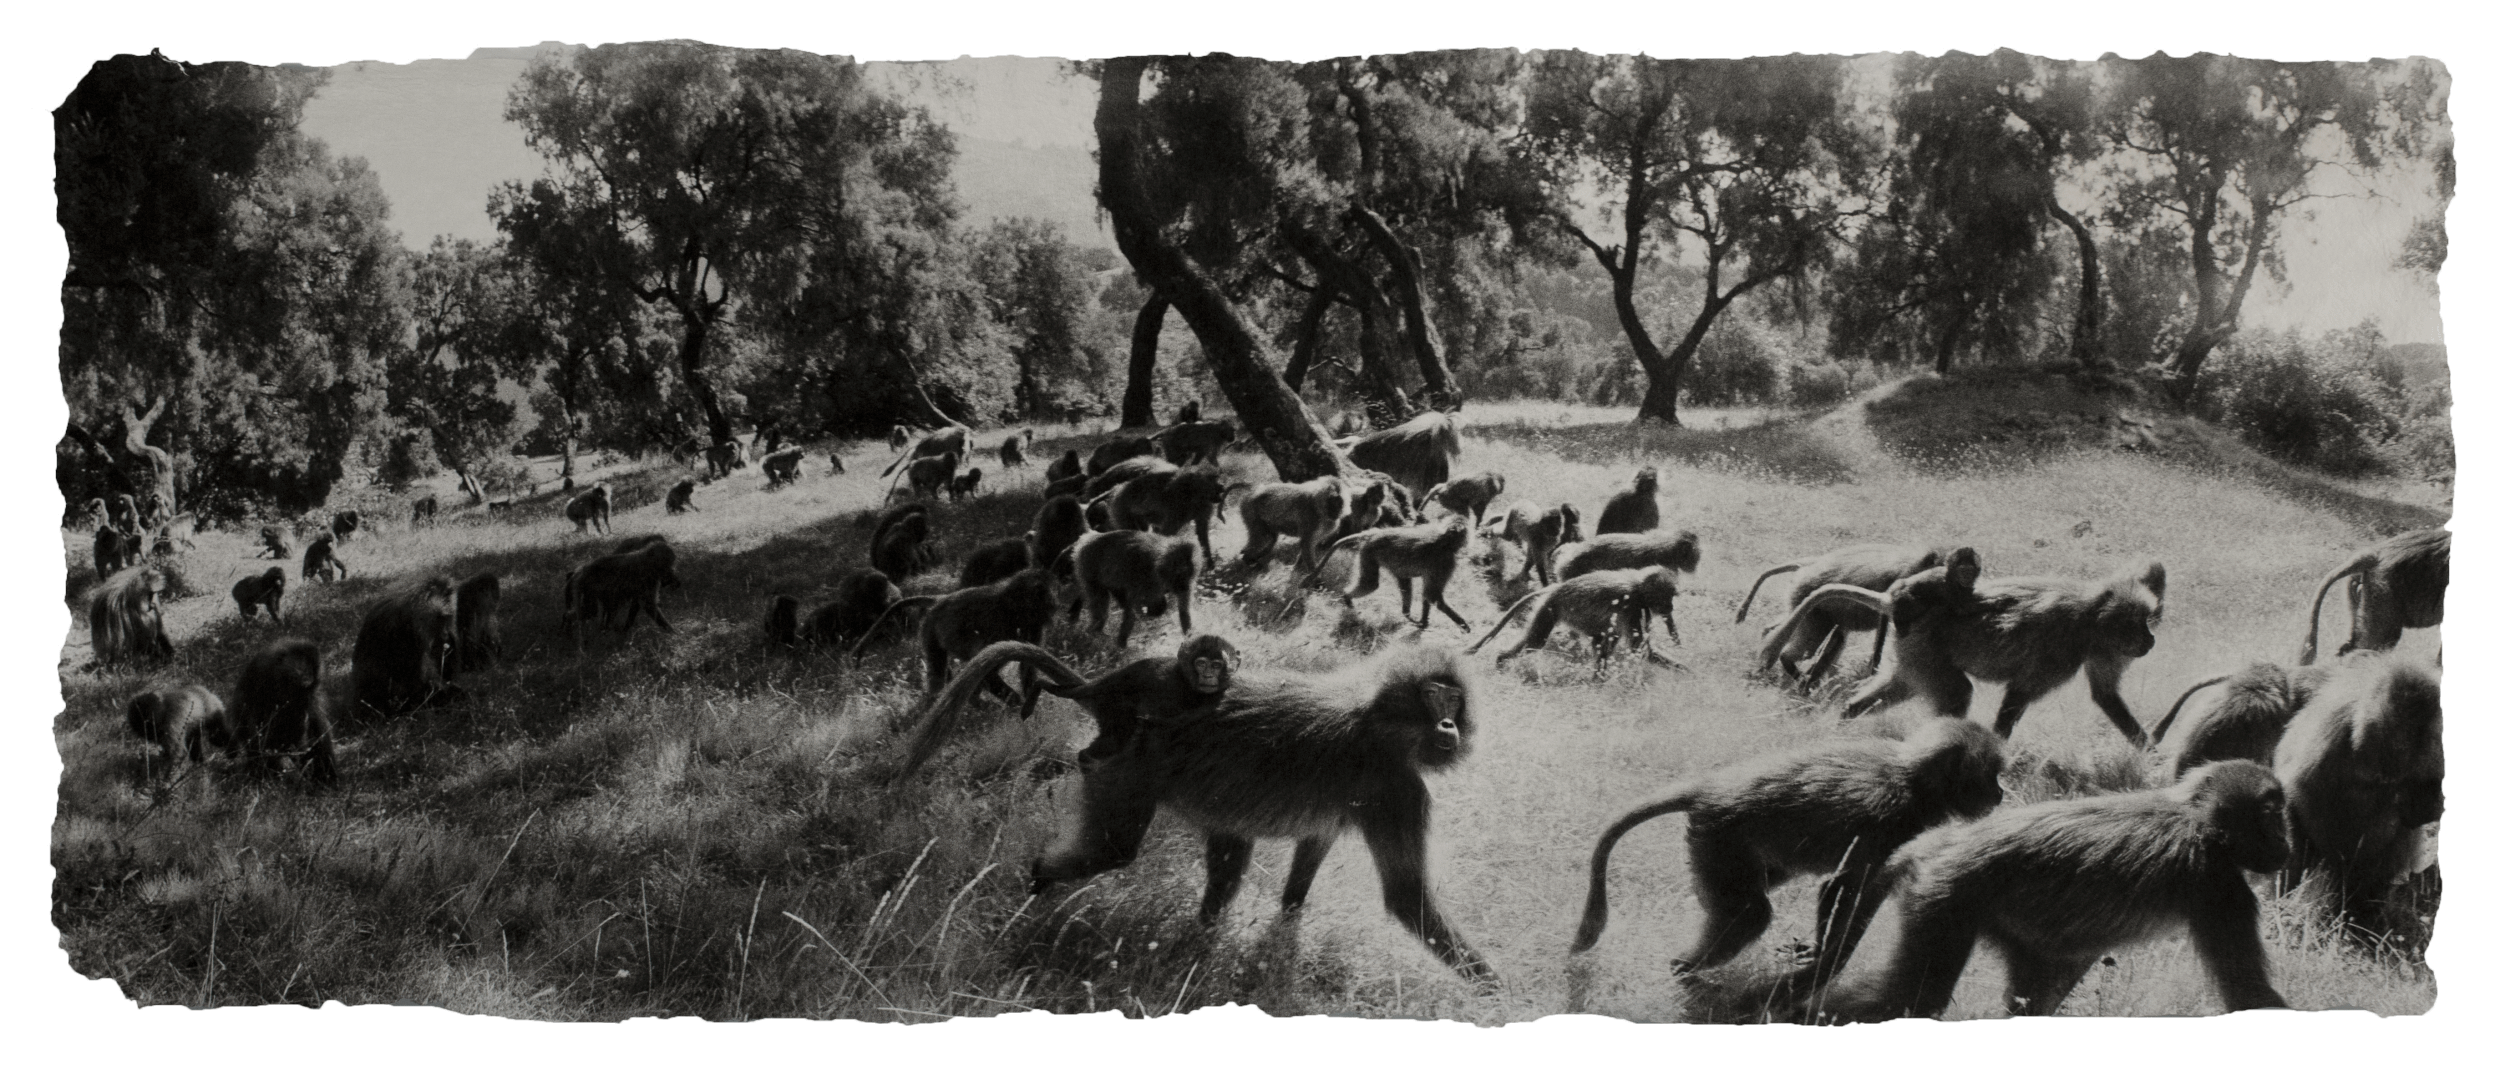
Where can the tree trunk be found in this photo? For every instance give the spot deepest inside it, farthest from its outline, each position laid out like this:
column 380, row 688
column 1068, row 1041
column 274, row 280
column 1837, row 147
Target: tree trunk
column 1352, row 284
column 1659, row 404
column 1951, row 341
column 2087, row 341
column 1272, row 415
column 2217, row 317
column 1380, row 387
column 160, row 463
column 1137, row 407
column 690, row 361
column 1306, row 339
column 1406, row 278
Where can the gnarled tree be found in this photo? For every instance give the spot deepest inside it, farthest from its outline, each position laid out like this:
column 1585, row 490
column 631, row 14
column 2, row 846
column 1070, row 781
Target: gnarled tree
column 1271, row 414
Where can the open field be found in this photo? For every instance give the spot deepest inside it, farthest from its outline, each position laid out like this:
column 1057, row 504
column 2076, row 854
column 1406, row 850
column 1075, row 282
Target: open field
column 691, row 824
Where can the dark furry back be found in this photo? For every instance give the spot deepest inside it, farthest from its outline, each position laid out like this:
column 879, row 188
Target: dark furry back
column 1417, row 453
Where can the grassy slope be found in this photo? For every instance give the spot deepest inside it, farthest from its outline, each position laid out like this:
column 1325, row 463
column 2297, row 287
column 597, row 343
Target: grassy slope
column 691, row 825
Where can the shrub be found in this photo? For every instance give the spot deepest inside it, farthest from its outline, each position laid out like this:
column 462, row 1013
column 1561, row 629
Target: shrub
column 1817, row 383
column 1738, row 363
column 2301, row 401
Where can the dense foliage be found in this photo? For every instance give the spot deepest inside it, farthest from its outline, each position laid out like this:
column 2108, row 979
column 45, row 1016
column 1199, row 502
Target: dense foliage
column 726, row 240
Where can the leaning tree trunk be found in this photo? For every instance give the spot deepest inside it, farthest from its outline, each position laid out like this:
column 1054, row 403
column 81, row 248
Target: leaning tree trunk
column 1406, row 279
column 1137, row 407
column 1272, row 415
column 1306, row 339
column 2087, row 341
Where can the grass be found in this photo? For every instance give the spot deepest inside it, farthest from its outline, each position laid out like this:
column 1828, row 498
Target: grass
column 688, row 824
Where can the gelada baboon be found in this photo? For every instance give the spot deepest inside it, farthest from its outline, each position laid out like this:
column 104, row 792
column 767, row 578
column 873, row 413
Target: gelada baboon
column 994, row 561
column 1193, row 678
column 1417, row 454
column 1609, row 607
column 1309, row 512
column 1376, row 501
column 1873, row 566
column 344, row 524
column 1011, row 452
column 421, row 513
column 1068, row 467
column 628, row 580
column 2031, row 633
column 2396, row 585
column 1126, row 469
column 958, row 624
column 860, row 598
column 1426, row 552
column 721, row 459
column 1680, row 551
column 1116, row 451
column 1539, row 533
column 607, row 612
column 1142, row 572
column 2363, row 763
column 1834, row 807
column 1073, row 487
column 253, row 592
column 173, row 537
column 1468, row 496
column 125, row 616
column 1634, row 510
column 2056, row 886
column 589, row 510
column 1167, row 503
column 1299, row 757
column 1056, row 527
column 277, row 711
column 99, row 514
column 126, row 513
column 681, row 497
column 1191, row 442
column 1189, row 413
column 186, row 720
column 782, row 466
column 900, row 547
column 899, row 438
column 476, row 635
column 967, row 484
column 321, row 559
column 114, row 551
column 930, row 475
column 401, row 648
column 949, row 440
column 2243, row 720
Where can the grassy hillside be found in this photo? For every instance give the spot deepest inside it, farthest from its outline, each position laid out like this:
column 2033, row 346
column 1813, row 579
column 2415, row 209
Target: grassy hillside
column 690, row 824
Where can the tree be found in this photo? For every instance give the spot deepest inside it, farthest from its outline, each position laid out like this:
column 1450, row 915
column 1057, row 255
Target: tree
column 445, row 389
column 1953, row 257
column 1749, row 161
column 1271, row 414
column 1040, row 295
column 233, row 288
column 725, row 176
column 2227, row 146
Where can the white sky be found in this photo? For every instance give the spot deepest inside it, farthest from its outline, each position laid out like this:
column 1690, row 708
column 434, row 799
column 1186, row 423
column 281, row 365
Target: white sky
column 433, row 130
